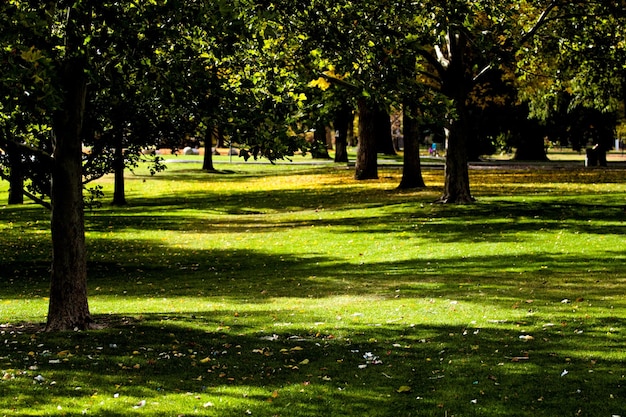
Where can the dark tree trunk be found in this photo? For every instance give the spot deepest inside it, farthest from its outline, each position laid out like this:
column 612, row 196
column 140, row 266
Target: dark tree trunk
column 531, row 145
column 320, row 151
column 342, row 124
column 456, row 84
column 119, row 193
column 16, row 174
column 220, row 142
column 531, row 149
column 351, row 139
column 456, row 188
column 412, row 168
column 384, row 138
column 207, row 161
column 68, row 308
column 367, row 158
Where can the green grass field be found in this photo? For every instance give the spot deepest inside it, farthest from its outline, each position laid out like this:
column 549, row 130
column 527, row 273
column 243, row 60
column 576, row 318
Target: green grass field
column 293, row 290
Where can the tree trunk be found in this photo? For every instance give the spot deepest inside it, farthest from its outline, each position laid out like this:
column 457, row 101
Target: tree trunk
column 351, row 137
column 16, row 174
column 220, row 142
column 320, row 150
column 342, row 124
column 119, row 194
column 384, row 139
column 531, row 144
column 68, row 307
column 207, row 161
column 366, row 158
column 456, row 84
column 411, row 169
column 456, row 188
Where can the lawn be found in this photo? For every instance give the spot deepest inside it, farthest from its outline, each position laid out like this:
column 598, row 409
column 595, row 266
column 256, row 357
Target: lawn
column 293, row 290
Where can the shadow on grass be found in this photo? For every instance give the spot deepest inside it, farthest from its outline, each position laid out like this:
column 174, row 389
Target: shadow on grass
column 377, row 371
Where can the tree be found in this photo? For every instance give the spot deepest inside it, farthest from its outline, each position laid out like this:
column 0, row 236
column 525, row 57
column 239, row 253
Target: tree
column 411, row 170
column 573, row 74
column 58, row 47
column 68, row 307
column 366, row 167
column 342, row 123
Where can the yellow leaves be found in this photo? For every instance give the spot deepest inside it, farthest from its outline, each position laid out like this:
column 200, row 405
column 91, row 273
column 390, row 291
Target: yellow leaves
column 32, row 55
column 320, row 83
column 404, row 389
column 324, row 83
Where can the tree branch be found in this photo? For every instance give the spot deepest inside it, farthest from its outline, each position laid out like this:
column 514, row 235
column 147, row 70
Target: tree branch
column 29, row 195
column 540, row 22
column 338, row 81
column 5, row 141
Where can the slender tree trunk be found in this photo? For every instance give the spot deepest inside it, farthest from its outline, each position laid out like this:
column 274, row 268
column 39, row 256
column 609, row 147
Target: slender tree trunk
column 220, row 142
column 351, row 138
column 411, row 169
column 119, row 193
column 320, row 151
column 367, row 158
column 16, row 174
column 207, row 162
column 342, row 124
column 384, row 139
column 68, row 308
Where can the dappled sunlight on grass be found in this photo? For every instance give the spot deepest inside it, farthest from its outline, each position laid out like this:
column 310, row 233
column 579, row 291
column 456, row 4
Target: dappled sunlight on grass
column 298, row 291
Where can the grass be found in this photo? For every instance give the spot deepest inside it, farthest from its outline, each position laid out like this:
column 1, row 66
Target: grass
column 293, row 290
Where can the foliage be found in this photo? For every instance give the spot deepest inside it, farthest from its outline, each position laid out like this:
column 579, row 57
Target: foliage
column 296, row 290
column 579, row 54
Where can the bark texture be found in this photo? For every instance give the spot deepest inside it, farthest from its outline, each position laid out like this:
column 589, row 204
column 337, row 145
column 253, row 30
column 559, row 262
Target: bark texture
column 366, row 159
column 68, row 307
column 456, row 84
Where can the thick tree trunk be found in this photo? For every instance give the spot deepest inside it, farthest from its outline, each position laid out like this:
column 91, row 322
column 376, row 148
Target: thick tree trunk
column 342, row 124
column 456, row 84
column 412, row 169
column 68, row 307
column 384, row 139
column 366, row 159
column 16, row 175
column 457, row 185
column 119, row 193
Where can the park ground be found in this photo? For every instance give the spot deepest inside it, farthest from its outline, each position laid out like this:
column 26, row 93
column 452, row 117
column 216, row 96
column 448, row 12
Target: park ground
column 294, row 290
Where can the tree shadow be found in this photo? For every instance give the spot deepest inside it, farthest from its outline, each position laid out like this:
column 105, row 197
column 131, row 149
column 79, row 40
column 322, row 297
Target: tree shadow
column 376, row 371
